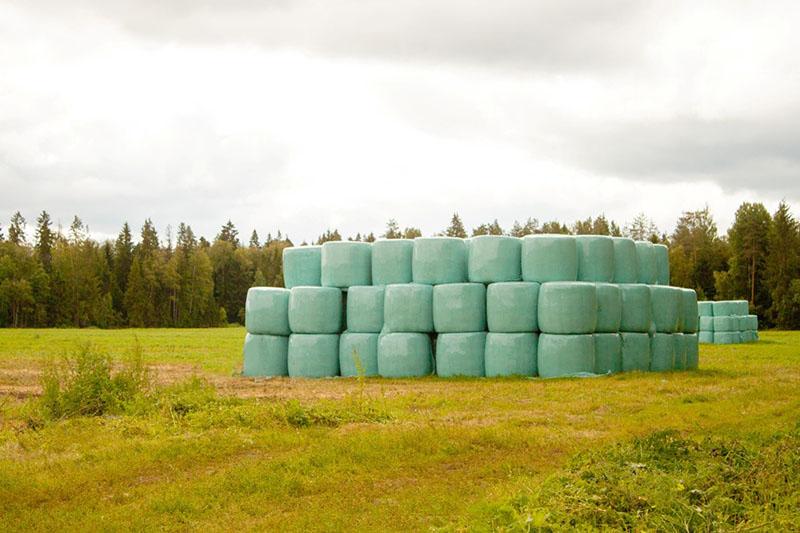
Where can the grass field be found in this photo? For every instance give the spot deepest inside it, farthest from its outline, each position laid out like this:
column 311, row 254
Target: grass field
column 224, row 452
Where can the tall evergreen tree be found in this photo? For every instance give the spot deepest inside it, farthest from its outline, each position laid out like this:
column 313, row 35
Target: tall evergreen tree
column 392, row 230
column 456, row 227
column 229, row 233
column 748, row 241
column 783, row 267
column 554, row 226
column 254, row 240
column 16, row 230
column 642, row 228
column 408, row 233
column 696, row 252
column 492, row 228
column 144, row 296
column 45, row 239
column 123, row 260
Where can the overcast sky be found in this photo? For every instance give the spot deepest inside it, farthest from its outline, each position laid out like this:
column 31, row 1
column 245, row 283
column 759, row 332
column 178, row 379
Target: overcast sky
column 307, row 115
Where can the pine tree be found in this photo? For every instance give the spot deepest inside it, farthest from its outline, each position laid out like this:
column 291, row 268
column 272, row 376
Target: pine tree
column 45, row 239
column 783, row 267
column 392, row 230
column 121, row 266
column 410, row 233
column 16, row 230
column 456, row 228
column 748, row 241
column 254, row 240
column 229, row 233
column 554, row 226
column 696, row 248
column 641, row 228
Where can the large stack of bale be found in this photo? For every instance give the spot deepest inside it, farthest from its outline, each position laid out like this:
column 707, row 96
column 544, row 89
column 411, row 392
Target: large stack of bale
column 727, row 322
column 546, row 305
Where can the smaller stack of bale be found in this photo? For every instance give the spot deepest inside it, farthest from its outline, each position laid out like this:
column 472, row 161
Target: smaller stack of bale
column 727, row 322
column 267, row 341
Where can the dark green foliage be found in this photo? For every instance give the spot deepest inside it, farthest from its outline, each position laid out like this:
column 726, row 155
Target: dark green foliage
column 663, row 482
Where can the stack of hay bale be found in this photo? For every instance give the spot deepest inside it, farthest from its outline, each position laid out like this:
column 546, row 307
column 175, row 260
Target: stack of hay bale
column 548, row 305
column 727, row 322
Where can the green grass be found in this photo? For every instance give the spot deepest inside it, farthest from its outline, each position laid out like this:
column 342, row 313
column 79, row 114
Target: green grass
column 219, row 452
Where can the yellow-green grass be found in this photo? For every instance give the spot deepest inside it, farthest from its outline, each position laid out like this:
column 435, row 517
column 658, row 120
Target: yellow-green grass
column 388, row 455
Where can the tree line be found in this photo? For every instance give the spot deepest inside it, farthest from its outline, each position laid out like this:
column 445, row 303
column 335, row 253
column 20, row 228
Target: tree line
column 56, row 277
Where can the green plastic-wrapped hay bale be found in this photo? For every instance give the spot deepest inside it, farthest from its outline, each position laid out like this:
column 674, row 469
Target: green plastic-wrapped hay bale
column 437, row 260
column 567, row 307
column 265, row 355
column 726, row 323
column 706, row 323
column 549, row 258
column 404, row 355
column 459, row 307
column 512, row 307
column 727, row 337
column 346, row 263
column 493, row 258
column 705, row 337
column 595, row 258
column 365, row 309
column 626, row 260
column 748, row 336
column 266, row 311
column 358, row 354
column 751, row 322
column 609, row 308
column 511, row 354
column 565, row 355
column 313, row 356
column 460, row 354
column 647, row 262
column 408, row 307
column 665, row 308
column 315, row 310
column 635, row 352
column 391, row 261
column 689, row 313
column 607, row 353
column 692, row 351
column 636, row 307
column 680, row 342
column 739, row 307
column 705, row 308
column 662, row 352
column 302, row 266
column 661, row 255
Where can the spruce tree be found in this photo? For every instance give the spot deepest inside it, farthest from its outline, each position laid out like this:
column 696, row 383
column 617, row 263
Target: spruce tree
column 254, row 240
column 122, row 261
column 229, row 233
column 748, row 240
column 16, row 230
column 392, row 230
column 456, row 228
column 45, row 239
column 783, row 267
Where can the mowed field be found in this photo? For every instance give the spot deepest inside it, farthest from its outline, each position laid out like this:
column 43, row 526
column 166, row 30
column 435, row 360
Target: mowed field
column 211, row 450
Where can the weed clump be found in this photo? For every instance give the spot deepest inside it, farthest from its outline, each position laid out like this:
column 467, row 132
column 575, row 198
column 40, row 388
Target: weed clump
column 88, row 383
column 664, row 482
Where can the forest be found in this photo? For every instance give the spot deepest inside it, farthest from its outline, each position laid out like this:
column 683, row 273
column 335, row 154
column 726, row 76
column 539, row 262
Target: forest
column 50, row 277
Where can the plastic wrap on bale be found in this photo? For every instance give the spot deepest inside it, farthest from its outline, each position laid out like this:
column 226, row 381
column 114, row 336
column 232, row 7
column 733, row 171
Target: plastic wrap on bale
column 662, row 352
column 460, row 354
column 346, row 263
column 549, row 258
column 607, row 353
column 365, row 309
column 565, row 355
column 302, row 266
column 315, row 310
column 567, row 307
column 511, row 354
column 404, row 355
column 661, row 256
column 609, row 308
column 635, row 352
column 391, row 261
column 358, row 354
column 647, row 262
column 408, row 308
column 459, row 308
column 265, row 355
column 512, row 307
column 636, row 308
column 595, row 258
column 437, row 260
column 665, row 308
column 626, row 260
column 494, row 258
column 313, row 356
column 267, row 311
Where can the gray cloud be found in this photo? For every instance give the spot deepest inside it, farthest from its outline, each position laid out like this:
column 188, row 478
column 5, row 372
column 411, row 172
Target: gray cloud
column 552, row 35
